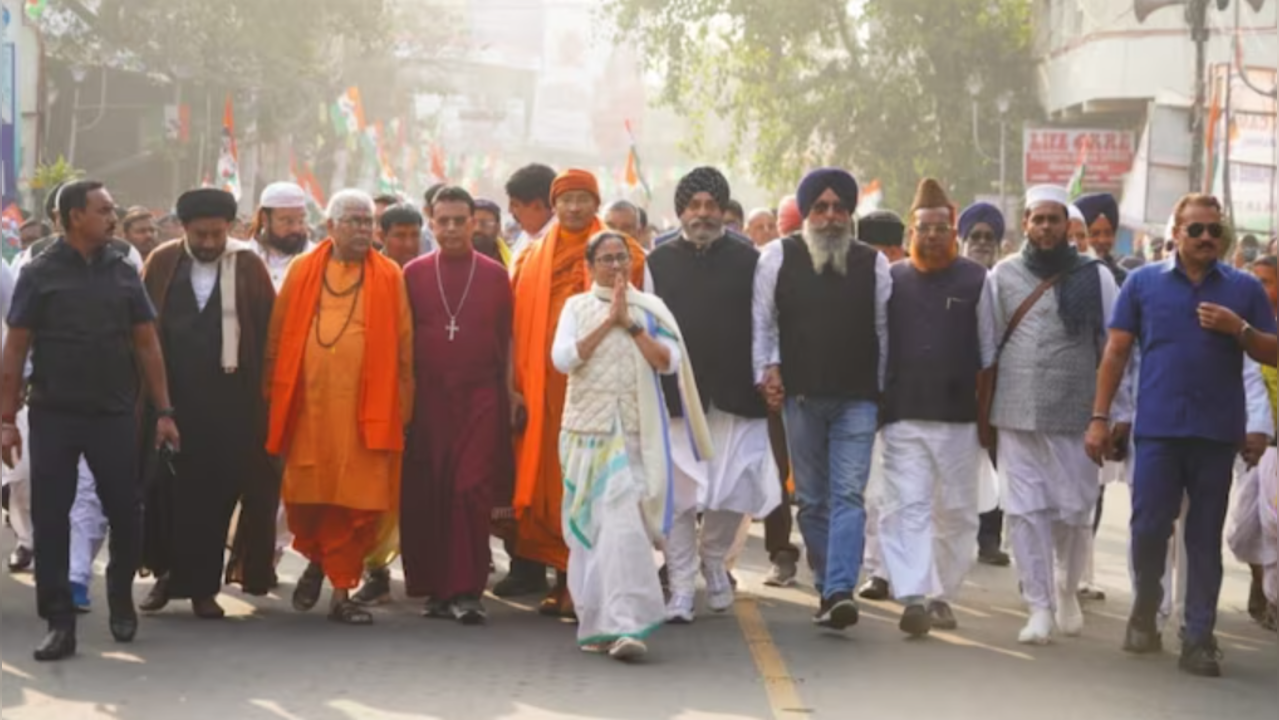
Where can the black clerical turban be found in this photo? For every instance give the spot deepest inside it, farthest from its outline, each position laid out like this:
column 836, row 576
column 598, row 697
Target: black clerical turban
column 819, row 181
column 882, row 228
column 702, row 179
column 206, row 203
column 1097, row 205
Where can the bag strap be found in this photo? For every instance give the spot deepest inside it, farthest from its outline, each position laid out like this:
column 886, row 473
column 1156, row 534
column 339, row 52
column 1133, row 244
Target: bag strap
column 1024, row 309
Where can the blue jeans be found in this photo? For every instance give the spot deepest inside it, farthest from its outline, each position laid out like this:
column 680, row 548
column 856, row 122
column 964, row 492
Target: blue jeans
column 830, row 442
column 1167, row 469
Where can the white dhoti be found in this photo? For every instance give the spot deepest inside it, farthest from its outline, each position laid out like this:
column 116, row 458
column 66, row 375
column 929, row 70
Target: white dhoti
column 18, row 481
column 928, row 508
column 1268, row 509
column 1245, row 536
column 1049, row 488
column 873, row 557
column 740, row 482
column 611, row 573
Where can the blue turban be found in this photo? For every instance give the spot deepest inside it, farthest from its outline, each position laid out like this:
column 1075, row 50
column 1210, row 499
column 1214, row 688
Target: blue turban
column 981, row 212
column 1097, row 205
column 819, row 181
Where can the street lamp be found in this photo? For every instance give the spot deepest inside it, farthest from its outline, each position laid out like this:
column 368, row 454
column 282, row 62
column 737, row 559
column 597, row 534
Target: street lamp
column 1003, row 103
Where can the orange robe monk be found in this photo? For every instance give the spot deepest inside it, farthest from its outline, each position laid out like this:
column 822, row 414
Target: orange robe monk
column 340, row 367
column 546, row 275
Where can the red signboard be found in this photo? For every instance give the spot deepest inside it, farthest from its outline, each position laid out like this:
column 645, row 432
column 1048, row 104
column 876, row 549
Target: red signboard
column 1053, row 154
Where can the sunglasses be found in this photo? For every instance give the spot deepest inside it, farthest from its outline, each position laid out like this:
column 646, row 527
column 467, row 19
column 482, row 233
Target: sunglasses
column 1195, row 230
column 981, row 236
column 823, row 207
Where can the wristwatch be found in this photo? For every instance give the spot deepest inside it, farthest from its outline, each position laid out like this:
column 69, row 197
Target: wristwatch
column 166, row 412
column 1244, row 332
column 635, row 330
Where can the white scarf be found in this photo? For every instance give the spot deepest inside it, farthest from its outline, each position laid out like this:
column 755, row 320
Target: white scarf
column 226, row 288
column 651, row 313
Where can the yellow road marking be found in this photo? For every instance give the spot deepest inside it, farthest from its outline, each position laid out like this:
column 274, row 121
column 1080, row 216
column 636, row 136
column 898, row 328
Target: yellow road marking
column 783, row 698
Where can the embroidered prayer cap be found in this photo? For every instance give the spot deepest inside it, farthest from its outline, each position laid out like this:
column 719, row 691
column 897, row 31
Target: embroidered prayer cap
column 206, row 203
column 1076, row 214
column 819, row 181
column 1098, row 205
column 930, row 194
column 882, row 228
column 283, row 196
column 575, row 179
column 981, row 212
column 702, row 179
column 788, row 218
column 1047, row 193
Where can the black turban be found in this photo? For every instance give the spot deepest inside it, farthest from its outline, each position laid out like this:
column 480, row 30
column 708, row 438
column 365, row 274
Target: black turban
column 1097, row 205
column 702, row 179
column 819, row 181
column 206, row 203
column 882, row 228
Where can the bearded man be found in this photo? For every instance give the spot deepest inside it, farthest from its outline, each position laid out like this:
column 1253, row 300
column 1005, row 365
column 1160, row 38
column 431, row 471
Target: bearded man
column 279, row 232
column 827, row 370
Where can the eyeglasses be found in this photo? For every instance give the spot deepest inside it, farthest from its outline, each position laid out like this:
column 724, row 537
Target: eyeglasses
column 981, row 236
column 1195, row 230
column 932, row 229
column 823, row 207
column 618, row 260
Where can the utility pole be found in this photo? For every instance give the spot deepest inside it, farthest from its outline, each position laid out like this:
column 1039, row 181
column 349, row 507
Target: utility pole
column 1197, row 19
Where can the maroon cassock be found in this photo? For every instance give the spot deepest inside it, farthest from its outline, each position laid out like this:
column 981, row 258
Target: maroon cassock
column 458, row 462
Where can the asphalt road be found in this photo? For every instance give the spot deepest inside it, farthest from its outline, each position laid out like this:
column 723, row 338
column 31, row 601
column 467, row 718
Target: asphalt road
column 763, row 660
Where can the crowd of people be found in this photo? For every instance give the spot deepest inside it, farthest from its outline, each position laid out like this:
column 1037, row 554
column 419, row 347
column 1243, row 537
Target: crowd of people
column 409, row 384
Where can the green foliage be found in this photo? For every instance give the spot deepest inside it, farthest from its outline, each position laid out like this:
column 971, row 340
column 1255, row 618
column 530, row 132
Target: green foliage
column 878, row 86
column 51, row 175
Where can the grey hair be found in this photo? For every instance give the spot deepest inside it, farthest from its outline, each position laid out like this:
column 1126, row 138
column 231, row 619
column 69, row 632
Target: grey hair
column 344, row 200
column 622, row 206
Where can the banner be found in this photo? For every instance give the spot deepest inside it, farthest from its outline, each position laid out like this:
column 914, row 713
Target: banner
column 1053, row 156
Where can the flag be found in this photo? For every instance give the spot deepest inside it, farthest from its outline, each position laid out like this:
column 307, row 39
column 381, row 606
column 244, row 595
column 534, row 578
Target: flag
column 872, row 196
column 1076, row 186
column 228, row 156
column 438, row 170
column 36, row 8
column 10, row 231
column 634, row 173
column 386, row 179
column 347, row 113
column 304, row 178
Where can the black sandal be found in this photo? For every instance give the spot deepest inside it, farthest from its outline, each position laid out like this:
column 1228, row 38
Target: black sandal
column 348, row 613
column 307, row 592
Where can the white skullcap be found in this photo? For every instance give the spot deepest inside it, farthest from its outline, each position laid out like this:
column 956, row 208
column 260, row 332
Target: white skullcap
column 283, row 196
column 1076, row 214
column 1047, row 193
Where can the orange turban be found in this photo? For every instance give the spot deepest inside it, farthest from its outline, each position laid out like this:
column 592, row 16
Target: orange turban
column 788, row 219
column 574, row 179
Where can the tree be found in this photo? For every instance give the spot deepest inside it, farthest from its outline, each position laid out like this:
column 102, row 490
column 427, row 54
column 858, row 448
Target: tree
column 878, row 86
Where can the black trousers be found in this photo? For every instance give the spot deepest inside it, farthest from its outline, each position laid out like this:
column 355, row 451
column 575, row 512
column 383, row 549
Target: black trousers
column 109, row 446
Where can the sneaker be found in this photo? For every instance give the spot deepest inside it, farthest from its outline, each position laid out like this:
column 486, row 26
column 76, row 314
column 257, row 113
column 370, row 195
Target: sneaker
column 1070, row 617
column 468, row 610
column 376, row 589
column 915, row 621
column 876, row 588
column 627, row 649
column 837, row 612
column 80, row 597
column 784, row 570
column 1039, row 630
column 1202, row 659
column 438, row 609
column 1142, row 637
column 679, row 611
column 942, row 616
column 719, row 590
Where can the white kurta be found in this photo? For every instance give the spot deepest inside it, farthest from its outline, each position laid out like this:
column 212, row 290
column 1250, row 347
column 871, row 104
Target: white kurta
column 1042, row 472
column 1268, row 509
column 928, row 508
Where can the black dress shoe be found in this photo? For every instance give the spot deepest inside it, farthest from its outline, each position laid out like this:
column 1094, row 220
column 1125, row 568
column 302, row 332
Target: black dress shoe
column 20, row 559
column 1142, row 638
column 521, row 581
column 994, row 557
column 57, row 645
column 123, row 628
column 158, row 598
column 1201, row 658
column 876, row 588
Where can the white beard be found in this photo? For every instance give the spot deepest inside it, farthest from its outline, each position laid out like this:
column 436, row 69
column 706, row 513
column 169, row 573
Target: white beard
column 828, row 251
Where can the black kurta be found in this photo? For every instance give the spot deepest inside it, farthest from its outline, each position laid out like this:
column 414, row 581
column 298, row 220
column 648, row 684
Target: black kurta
column 215, row 412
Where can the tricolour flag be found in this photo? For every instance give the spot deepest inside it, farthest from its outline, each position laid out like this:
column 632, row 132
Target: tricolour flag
column 348, row 113
column 1076, row 186
column 228, row 156
column 304, row 177
column 11, row 231
column 872, row 197
column 36, row 8
column 635, row 173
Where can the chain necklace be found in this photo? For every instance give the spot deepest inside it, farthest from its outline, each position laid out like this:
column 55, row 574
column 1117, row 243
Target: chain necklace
column 452, row 327
column 350, row 314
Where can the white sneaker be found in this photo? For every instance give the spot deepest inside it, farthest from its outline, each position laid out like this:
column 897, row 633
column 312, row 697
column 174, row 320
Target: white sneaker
column 626, row 649
column 719, row 589
column 1070, row 617
column 1039, row 631
column 679, row 610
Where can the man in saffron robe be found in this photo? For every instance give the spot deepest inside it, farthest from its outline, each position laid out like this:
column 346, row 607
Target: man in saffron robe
column 546, row 275
column 458, row 464
column 340, row 373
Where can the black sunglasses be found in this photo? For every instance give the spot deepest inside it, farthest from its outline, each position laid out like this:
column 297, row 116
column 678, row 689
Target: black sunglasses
column 1195, row 230
column 981, row 236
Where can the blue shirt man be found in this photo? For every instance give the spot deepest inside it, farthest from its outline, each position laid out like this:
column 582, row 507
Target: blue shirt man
column 1193, row 319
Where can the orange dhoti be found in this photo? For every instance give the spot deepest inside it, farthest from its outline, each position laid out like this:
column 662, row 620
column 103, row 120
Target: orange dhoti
column 335, row 538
